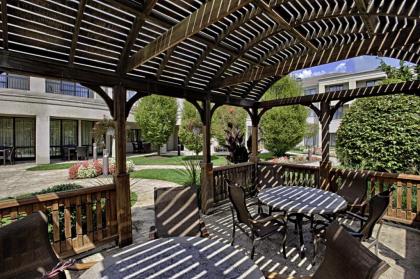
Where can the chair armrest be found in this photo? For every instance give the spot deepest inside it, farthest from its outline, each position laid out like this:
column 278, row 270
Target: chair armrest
column 356, row 234
column 81, row 266
column 153, row 233
column 357, row 216
column 253, row 203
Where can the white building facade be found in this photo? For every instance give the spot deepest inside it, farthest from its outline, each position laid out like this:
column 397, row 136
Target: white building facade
column 333, row 82
column 39, row 116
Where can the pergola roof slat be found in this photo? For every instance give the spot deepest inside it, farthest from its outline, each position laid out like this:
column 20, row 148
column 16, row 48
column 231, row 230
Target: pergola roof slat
column 222, row 49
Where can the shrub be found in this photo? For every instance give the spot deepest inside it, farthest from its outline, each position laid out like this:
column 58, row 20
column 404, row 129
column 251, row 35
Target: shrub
column 91, row 169
column 381, row 134
column 190, row 131
column 282, row 128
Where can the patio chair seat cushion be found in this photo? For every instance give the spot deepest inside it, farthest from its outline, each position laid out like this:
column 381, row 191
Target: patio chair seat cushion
column 266, row 228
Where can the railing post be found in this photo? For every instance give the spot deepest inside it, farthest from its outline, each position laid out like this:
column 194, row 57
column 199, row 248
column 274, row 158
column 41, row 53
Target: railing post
column 254, row 135
column 207, row 191
column 121, row 177
column 325, row 165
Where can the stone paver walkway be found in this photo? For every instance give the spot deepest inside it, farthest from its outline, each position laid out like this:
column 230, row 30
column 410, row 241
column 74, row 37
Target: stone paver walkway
column 16, row 180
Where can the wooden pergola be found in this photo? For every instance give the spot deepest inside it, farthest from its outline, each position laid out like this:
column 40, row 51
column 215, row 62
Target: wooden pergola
column 210, row 53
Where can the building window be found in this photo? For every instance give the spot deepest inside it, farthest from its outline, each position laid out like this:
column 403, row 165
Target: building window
column 134, row 135
column 18, row 132
column 309, row 91
column 336, row 87
column 14, row 81
column 67, row 88
column 63, row 132
column 311, row 141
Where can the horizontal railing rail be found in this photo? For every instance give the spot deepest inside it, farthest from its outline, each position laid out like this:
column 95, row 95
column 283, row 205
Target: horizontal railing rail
column 78, row 220
column 404, row 206
column 243, row 174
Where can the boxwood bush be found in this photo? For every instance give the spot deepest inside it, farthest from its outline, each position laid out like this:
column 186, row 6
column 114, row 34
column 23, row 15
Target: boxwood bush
column 381, row 134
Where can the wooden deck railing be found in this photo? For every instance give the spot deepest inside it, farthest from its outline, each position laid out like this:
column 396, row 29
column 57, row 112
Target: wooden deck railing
column 405, row 202
column 78, row 220
column 404, row 206
column 243, row 174
column 275, row 174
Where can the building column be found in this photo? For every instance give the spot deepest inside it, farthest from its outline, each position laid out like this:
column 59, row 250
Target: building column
column 325, row 164
column 79, row 132
column 37, row 84
column 42, row 139
column 207, row 196
column 121, row 177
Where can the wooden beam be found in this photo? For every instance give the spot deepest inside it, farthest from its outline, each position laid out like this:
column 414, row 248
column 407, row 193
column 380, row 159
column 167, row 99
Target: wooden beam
column 130, row 103
column 29, row 65
column 132, row 35
column 284, row 24
column 78, row 23
column 206, row 15
column 162, row 65
column 372, row 46
column 108, row 100
column 255, row 41
column 250, row 14
column 409, row 88
column 5, row 31
column 367, row 19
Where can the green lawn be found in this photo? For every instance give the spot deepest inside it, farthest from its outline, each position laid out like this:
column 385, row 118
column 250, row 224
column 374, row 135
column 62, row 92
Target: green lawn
column 170, row 175
column 266, row 156
column 173, row 160
column 53, row 166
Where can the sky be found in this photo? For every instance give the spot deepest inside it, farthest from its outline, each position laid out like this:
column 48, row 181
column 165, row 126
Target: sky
column 352, row 65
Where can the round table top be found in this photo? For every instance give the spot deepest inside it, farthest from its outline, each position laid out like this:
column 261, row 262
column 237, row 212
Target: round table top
column 307, row 200
column 176, row 257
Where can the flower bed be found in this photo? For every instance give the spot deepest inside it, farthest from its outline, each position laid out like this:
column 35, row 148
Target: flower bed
column 293, row 159
column 91, row 169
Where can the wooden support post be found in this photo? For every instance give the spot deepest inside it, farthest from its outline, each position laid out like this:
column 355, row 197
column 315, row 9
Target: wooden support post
column 255, row 120
column 207, row 193
column 121, row 177
column 325, row 165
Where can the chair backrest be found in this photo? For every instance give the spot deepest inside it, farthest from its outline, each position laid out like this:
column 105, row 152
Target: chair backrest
column 81, row 150
column 25, row 250
column 176, row 212
column 237, row 198
column 354, row 188
column 346, row 258
column 378, row 205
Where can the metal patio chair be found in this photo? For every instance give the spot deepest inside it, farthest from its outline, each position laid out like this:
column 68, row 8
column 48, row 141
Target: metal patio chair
column 345, row 258
column 82, row 152
column 378, row 205
column 26, row 252
column 177, row 213
column 256, row 227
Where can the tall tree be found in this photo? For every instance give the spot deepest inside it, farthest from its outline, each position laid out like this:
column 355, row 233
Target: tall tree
column 225, row 116
column 191, row 132
column 156, row 116
column 282, row 128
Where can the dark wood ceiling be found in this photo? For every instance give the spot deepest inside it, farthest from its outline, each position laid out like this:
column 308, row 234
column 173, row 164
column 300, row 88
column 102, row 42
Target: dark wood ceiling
column 230, row 51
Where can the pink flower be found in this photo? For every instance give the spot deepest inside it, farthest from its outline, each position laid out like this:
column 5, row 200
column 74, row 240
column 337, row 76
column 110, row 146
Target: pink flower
column 73, row 170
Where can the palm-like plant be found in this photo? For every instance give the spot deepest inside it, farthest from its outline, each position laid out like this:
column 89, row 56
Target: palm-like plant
column 235, row 144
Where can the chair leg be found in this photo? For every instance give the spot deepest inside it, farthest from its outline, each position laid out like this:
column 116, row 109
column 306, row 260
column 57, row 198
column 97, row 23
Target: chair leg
column 284, row 244
column 315, row 251
column 376, row 247
column 233, row 234
column 253, row 248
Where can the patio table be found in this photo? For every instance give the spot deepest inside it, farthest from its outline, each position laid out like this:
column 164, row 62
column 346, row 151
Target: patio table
column 176, row 257
column 301, row 201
